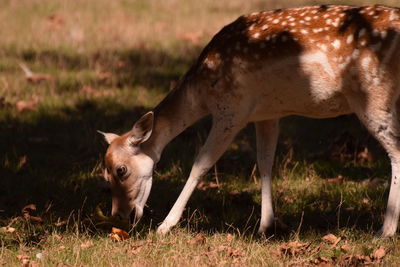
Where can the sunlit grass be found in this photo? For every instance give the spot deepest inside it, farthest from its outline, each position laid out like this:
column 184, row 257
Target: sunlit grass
column 111, row 61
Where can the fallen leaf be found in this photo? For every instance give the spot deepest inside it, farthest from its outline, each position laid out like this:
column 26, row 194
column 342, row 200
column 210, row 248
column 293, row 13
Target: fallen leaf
column 276, row 253
column 7, row 229
column 337, row 180
column 87, row 244
column 294, row 247
column 56, row 236
column 323, row 262
column 366, row 201
column 26, row 213
column 379, row 253
column 229, row 237
column 22, row 161
column 60, row 223
column 289, row 200
column 346, row 248
column 118, row 234
column 199, row 239
column 26, row 105
column 24, row 259
column 104, row 76
column 204, row 185
column 230, row 251
column 136, row 249
column 331, row 238
column 34, row 77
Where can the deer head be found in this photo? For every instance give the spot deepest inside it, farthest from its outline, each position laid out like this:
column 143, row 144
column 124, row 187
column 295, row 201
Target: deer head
column 129, row 169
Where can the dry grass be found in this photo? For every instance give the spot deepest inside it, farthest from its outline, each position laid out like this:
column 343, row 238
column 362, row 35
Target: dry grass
column 103, row 64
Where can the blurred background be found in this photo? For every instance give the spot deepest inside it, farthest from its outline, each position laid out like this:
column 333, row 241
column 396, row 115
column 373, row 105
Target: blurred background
column 69, row 68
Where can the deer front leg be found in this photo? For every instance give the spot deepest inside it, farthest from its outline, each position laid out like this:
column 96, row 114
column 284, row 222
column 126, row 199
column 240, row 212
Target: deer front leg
column 267, row 137
column 221, row 135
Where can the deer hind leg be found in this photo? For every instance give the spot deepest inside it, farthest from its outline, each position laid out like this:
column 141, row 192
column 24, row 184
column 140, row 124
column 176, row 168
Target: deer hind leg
column 267, row 137
column 379, row 115
column 221, row 135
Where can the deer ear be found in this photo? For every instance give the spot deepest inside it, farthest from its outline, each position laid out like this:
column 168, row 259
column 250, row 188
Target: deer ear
column 109, row 137
column 142, row 129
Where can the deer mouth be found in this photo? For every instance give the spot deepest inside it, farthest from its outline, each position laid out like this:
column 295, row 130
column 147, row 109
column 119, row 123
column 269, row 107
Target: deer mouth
column 140, row 201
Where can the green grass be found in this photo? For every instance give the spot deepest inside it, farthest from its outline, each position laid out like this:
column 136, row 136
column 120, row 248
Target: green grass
column 111, row 61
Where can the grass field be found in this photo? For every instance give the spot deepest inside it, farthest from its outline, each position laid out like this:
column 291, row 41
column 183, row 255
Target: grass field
column 105, row 63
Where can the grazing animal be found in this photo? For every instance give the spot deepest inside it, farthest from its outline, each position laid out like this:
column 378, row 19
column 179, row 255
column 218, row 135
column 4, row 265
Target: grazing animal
column 318, row 61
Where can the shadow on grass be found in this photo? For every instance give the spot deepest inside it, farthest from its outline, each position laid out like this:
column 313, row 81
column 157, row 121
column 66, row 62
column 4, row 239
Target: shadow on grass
column 121, row 68
column 54, row 160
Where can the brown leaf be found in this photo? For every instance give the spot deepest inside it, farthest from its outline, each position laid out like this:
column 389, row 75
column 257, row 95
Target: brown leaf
column 337, row 180
column 136, row 249
column 26, row 105
column 276, row 254
column 22, row 161
column 379, row 253
column 346, row 248
column 87, row 244
column 323, row 262
column 230, row 251
column 26, row 213
column 58, row 237
column 222, row 248
column 331, row 238
column 24, row 259
column 7, row 229
column 199, row 239
column 104, row 76
column 289, row 200
column 294, row 247
column 39, row 77
column 118, row 234
column 229, row 237
column 60, row 223
column 204, row 185
column 366, row 201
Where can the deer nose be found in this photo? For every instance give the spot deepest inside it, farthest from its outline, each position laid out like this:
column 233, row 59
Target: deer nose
column 121, row 217
column 118, row 215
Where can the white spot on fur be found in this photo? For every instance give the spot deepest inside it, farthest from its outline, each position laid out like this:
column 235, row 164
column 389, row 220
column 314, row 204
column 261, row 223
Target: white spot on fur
column 304, row 31
column 319, row 58
column 336, row 44
column 350, row 39
column 365, row 62
column 256, row 35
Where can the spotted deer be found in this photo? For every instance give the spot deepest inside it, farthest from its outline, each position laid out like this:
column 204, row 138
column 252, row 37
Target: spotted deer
column 318, row 61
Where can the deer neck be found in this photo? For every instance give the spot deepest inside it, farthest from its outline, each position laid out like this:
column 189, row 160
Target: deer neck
column 179, row 109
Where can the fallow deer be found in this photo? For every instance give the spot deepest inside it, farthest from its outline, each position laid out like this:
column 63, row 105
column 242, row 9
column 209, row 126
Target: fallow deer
column 318, row 61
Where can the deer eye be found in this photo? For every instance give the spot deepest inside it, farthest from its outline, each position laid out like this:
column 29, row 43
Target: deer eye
column 121, row 171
